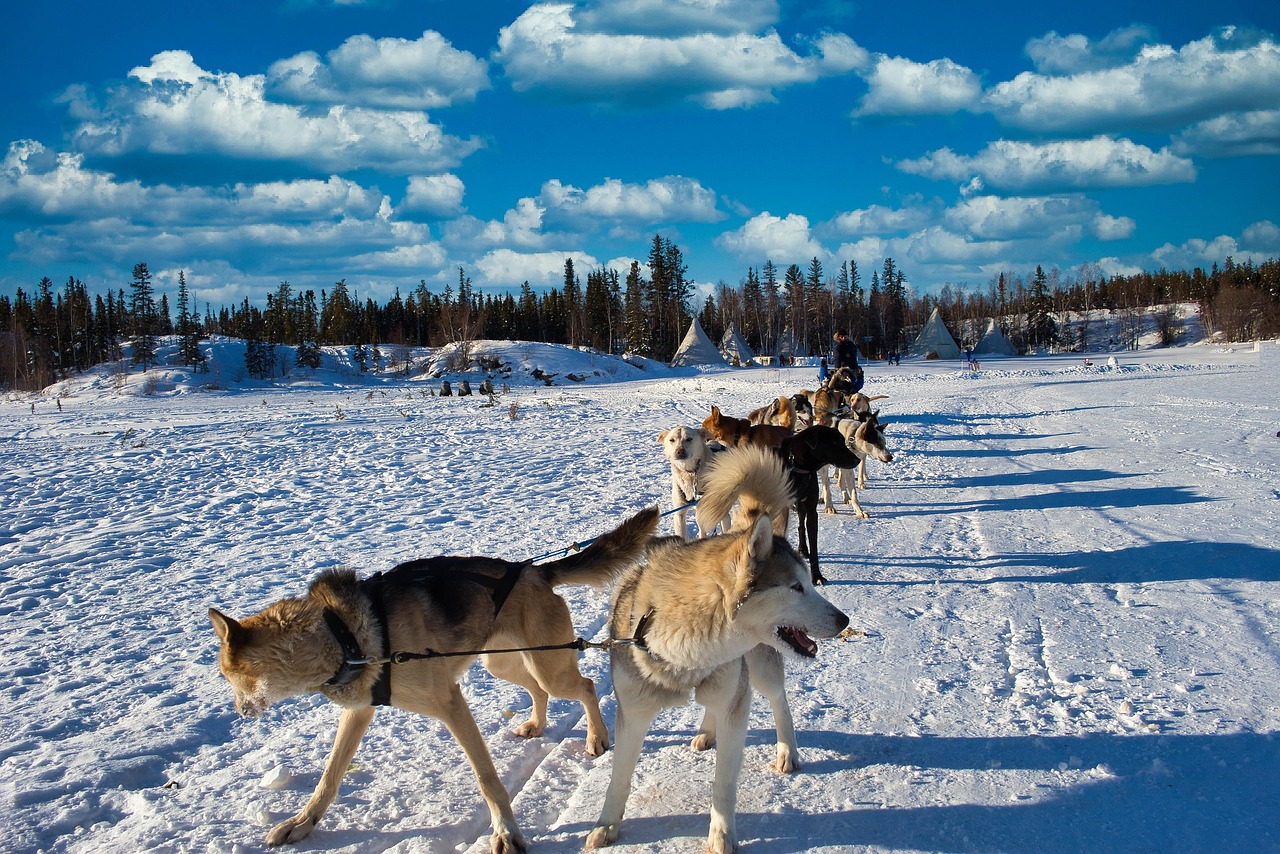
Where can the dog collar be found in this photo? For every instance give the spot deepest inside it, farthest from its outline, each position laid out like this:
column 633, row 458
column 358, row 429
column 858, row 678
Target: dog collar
column 353, row 660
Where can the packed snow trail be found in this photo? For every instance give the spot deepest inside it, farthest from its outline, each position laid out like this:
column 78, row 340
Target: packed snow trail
column 1068, row 587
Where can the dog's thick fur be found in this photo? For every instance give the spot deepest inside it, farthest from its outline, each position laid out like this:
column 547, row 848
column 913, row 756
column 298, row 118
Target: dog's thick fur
column 713, row 615
column 687, row 451
column 825, row 404
column 443, row 604
column 865, row 438
column 739, row 432
column 781, row 413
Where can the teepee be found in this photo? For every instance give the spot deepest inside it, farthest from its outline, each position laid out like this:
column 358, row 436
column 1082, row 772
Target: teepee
column 696, row 349
column 735, row 349
column 993, row 342
column 934, row 338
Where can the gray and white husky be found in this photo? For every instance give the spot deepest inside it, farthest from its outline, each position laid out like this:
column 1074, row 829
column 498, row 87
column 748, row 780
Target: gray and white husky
column 712, row 617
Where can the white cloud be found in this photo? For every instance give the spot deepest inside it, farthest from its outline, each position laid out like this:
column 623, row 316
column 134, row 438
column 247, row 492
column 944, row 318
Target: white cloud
column 387, row 73
column 508, row 268
column 901, row 87
column 549, row 50
column 1234, row 135
column 1098, row 162
column 1075, row 53
column 1022, row 217
column 765, row 237
column 174, row 107
column 432, row 197
column 1263, row 237
column 878, row 219
column 659, row 200
column 1234, row 70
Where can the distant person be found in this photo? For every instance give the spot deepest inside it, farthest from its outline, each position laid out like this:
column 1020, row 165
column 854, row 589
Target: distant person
column 846, row 356
column 846, row 352
column 822, row 371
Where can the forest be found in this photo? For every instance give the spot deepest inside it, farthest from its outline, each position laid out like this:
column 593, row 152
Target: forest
column 50, row 333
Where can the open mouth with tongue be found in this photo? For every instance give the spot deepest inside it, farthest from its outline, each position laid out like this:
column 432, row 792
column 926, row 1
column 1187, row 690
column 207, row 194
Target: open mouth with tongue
column 799, row 641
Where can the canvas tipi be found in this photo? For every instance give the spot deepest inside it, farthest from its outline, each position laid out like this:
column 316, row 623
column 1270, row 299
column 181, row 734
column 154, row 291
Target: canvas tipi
column 735, row 349
column 993, row 342
column 934, row 338
column 696, row 349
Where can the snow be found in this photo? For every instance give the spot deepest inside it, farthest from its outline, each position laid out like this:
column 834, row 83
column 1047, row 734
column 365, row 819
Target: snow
column 1066, row 602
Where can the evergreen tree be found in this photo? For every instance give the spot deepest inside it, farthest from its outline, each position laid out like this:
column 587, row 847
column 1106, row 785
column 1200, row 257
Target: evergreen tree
column 143, row 317
column 188, row 331
column 636, row 312
column 1042, row 329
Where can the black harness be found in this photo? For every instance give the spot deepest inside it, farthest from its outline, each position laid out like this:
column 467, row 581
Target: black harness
column 353, row 659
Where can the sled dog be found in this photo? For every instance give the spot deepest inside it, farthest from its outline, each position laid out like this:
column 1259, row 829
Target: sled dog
column 711, row 617
column 865, row 438
column 739, row 432
column 780, row 413
column 337, row 640
column 687, row 451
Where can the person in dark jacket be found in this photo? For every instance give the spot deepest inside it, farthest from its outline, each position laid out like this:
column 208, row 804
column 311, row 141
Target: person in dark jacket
column 846, row 352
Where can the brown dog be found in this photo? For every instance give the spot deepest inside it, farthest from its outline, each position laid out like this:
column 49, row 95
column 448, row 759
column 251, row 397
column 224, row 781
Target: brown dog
column 339, row 640
column 781, row 412
column 739, row 432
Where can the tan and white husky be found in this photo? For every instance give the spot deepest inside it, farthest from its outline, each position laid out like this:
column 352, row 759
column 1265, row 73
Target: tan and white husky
column 336, row 641
column 711, row 617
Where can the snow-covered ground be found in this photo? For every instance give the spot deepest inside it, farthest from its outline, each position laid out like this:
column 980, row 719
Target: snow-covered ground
column 1069, row 588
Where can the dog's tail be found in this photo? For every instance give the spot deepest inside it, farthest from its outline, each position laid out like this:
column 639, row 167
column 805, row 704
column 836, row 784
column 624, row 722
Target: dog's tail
column 607, row 556
column 753, row 476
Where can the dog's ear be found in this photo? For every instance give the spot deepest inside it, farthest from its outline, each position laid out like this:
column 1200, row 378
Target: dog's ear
column 706, row 434
column 715, row 412
column 662, row 437
column 760, row 542
column 228, row 629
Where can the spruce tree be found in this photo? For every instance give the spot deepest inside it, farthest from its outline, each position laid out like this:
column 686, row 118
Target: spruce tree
column 143, row 317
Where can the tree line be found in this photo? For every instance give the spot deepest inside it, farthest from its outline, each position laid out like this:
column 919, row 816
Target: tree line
column 51, row 333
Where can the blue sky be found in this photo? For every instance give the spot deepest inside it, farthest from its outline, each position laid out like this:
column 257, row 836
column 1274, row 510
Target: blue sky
column 389, row 141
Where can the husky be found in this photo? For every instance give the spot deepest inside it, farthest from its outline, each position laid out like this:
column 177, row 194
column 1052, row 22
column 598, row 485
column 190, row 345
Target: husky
column 739, row 432
column 339, row 640
column 712, row 617
column 687, row 449
column 865, row 438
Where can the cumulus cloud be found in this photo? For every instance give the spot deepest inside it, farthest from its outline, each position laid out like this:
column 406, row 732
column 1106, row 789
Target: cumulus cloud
column 388, row 73
column 432, row 197
column 550, row 49
column 878, row 219
column 1039, row 217
column 509, row 268
column 765, row 237
column 36, row 183
column 901, row 87
column 1256, row 243
column 1234, row 135
column 1098, row 162
column 1076, row 53
column 174, row 107
column 659, row 200
column 1234, row 70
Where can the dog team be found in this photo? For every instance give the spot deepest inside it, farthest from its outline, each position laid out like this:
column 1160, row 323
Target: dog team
column 709, row 617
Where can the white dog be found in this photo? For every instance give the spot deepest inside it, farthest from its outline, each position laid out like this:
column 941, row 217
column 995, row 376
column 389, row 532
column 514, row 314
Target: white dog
column 687, row 449
column 712, row 617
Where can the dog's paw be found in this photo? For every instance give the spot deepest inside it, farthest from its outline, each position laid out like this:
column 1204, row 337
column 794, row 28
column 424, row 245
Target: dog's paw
column 702, row 741
column 785, row 762
column 596, row 745
column 294, row 830
column 528, row 729
column 721, row 842
column 602, row 836
column 862, row 514
column 829, row 508
column 508, row 842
